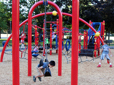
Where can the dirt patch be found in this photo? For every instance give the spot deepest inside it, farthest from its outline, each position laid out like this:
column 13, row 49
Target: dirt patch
column 88, row 73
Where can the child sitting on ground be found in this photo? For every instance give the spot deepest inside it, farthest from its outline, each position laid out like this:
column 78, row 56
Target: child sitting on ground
column 105, row 53
column 41, row 69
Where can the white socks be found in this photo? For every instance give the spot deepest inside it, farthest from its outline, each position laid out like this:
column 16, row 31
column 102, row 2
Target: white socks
column 99, row 63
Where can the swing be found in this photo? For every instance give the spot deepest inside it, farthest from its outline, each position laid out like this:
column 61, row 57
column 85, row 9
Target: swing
column 47, row 71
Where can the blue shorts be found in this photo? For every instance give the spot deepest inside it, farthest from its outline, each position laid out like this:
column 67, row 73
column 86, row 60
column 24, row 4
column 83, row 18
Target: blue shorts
column 104, row 55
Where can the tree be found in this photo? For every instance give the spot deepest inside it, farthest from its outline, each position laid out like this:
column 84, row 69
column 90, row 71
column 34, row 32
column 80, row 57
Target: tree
column 3, row 17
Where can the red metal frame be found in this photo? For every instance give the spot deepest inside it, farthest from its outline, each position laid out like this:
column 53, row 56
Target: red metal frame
column 43, row 39
column 75, row 34
column 103, row 29
column 57, row 32
column 29, row 35
column 15, row 42
column 36, row 36
column 95, row 45
column 50, row 39
column 42, row 14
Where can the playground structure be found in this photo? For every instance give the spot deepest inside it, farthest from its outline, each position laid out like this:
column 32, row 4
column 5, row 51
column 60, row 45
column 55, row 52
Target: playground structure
column 15, row 35
column 49, row 13
column 91, row 41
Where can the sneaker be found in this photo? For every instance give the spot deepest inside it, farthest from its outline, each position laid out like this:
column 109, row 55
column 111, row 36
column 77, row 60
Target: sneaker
column 39, row 78
column 108, row 61
column 99, row 65
column 110, row 65
column 34, row 79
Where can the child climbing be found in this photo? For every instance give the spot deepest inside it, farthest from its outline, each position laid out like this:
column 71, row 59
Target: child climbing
column 23, row 36
column 41, row 68
column 105, row 53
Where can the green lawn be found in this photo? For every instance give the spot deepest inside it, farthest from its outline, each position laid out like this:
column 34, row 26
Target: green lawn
column 41, row 43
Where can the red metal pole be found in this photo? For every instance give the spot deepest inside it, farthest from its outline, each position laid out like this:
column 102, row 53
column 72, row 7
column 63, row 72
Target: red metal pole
column 63, row 40
column 24, row 28
column 79, row 47
column 15, row 42
column 57, row 33
column 98, row 43
column 36, row 36
column 90, row 22
column 75, row 33
column 44, row 39
column 60, row 35
column 49, row 13
column 3, row 50
column 50, row 39
column 95, row 44
column 86, row 39
column 103, row 29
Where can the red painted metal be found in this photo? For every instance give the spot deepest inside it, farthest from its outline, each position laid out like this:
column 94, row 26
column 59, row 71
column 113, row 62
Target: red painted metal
column 44, row 39
column 24, row 28
column 3, row 50
column 79, row 47
column 15, row 42
column 75, row 33
column 63, row 40
column 57, row 33
column 36, row 36
column 60, row 35
column 95, row 46
column 103, row 28
column 86, row 39
column 98, row 44
column 50, row 39
column 48, row 13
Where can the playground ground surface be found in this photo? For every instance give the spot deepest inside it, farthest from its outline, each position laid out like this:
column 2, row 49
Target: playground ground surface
column 88, row 73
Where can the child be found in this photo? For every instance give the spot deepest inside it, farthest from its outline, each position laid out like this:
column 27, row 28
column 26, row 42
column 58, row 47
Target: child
column 35, row 49
column 41, row 69
column 105, row 53
column 3, row 43
column 23, row 36
column 53, row 36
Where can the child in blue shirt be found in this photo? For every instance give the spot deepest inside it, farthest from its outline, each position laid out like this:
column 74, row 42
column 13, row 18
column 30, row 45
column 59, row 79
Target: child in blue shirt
column 105, row 53
column 41, row 69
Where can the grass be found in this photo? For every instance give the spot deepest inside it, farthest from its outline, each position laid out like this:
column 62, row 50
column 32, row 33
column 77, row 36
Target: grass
column 41, row 43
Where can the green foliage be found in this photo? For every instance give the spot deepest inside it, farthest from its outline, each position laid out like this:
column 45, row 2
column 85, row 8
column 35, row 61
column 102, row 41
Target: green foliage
column 93, row 10
column 3, row 16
